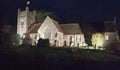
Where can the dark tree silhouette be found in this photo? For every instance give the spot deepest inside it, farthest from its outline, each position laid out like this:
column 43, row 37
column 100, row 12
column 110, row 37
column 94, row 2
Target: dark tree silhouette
column 43, row 43
column 41, row 15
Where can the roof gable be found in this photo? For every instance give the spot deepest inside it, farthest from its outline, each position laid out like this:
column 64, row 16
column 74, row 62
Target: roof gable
column 55, row 22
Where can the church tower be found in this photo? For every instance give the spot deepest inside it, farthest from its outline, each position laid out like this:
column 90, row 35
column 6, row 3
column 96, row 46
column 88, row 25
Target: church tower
column 24, row 20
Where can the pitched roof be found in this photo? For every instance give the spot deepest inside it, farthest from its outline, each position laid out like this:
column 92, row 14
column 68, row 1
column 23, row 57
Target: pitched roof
column 72, row 28
column 56, row 23
column 34, row 28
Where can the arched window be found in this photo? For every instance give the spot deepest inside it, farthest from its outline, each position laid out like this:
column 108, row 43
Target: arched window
column 47, row 33
column 22, row 24
column 35, row 37
column 76, row 38
column 71, row 38
column 80, row 38
column 56, row 34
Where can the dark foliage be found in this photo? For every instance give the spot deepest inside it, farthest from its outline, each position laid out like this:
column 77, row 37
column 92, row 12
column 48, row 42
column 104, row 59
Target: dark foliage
column 88, row 31
column 27, row 40
column 43, row 43
column 41, row 15
column 15, row 38
column 5, row 35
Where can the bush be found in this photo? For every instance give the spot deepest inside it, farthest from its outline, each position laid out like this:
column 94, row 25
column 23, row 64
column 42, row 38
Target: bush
column 43, row 43
column 97, row 40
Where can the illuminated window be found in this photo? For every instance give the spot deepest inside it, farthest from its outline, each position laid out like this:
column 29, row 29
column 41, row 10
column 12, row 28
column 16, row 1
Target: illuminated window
column 56, row 35
column 80, row 38
column 47, row 33
column 35, row 37
column 31, row 21
column 60, row 38
column 76, row 38
column 70, row 38
column 23, row 36
column 22, row 24
column 107, row 36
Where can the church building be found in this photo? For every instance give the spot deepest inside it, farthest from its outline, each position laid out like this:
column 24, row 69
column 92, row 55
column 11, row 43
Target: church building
column 69, row 34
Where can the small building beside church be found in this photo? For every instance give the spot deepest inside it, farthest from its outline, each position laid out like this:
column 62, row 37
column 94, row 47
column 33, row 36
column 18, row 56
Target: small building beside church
column 107, row 28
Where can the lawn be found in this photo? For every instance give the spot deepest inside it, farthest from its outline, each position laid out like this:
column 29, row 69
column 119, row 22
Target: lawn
column 57, row 58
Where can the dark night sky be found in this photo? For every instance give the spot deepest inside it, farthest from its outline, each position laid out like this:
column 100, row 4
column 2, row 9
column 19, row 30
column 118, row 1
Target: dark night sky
column 82, row 11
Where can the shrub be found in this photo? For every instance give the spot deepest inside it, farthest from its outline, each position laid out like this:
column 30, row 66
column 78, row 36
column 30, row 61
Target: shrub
column 43, row 42
column 97, row 40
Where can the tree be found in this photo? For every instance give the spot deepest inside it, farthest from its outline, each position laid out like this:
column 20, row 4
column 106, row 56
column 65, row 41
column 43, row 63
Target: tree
column 97, row 40
column 27, row 40
column 41, row 15
column 15, row 39
column 5, row 32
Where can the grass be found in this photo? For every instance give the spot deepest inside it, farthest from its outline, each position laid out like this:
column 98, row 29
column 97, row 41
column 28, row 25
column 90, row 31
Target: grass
column 68, row 53
column 58, row 58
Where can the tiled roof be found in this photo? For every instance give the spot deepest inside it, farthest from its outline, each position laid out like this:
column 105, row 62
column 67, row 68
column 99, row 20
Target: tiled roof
column 72, row 28
column 34, row 28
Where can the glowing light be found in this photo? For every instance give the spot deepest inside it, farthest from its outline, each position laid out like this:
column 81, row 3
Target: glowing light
column 98, row 40
column 28, row 2
column 106, row 36
column 23, row 36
